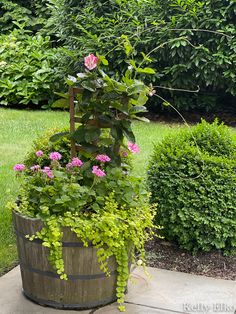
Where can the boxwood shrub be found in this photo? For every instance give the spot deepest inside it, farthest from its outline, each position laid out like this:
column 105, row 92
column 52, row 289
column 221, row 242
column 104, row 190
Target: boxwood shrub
column 192, row 177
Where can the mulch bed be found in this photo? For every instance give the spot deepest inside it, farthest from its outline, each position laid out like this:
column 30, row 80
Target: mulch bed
column 165, row 255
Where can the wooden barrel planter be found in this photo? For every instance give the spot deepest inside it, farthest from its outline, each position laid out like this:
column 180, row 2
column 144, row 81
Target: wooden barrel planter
column 87, row 286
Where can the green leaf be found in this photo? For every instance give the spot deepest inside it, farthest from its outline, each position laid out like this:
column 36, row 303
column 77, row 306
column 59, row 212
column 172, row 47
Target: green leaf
column 85, row 118
column 128, row 47
column 89, row 86
column 146, row 70
column 116, row 132
column 129, row 135
column 58, row 136
column 92, row 134
column 61, row 103
column 143, row 119
column 79, row 134
column 136, row 88
column 89, row 148
column 137, row 109
column 102, row 59
column 63, row 95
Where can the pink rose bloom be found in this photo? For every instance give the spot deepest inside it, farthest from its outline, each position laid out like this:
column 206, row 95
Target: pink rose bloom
column 98, row 172
column 76, row 162
column 103, row 158
column 90, row 61
column 19, row 167
column 35, row 168
column 55, row 156
column 48, row 172
column 39, row 153
column 133, row 148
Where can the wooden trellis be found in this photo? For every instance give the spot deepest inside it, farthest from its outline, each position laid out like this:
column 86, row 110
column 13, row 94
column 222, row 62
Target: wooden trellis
column 73, row 91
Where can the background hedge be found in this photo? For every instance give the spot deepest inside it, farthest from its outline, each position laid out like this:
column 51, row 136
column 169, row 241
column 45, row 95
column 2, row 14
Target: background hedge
column 193, row 53
column 204, row 58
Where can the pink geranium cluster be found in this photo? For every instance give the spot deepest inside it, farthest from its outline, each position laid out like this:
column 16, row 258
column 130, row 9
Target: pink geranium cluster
column 98, row 172
column 133, row 148
column 19, row 167
column 55, row 156
column 103, row 158
column 76, row 162
column 35, row 168
column 48, row 172
column 39, row 153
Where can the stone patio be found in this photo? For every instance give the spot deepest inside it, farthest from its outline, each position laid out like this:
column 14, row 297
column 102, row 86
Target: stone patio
column 163, row 292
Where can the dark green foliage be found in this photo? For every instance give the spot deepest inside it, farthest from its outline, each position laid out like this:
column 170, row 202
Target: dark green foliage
column 192, row 177
column 209, row 62
column 190, row 54
column 27, row 14
column 29, row 69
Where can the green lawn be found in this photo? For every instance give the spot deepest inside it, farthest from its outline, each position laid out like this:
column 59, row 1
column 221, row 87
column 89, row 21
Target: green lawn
column 17, row 131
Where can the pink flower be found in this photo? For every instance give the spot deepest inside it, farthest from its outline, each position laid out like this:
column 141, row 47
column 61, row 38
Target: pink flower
column 98, row 172
column 152, row 92
column 39, row 153
column 48, row 172
column 90, row 62
column 69, row 165
column 76, row 162
column 55, row 156
column 103, row 158
column 124, row 154
column 133, row 148
column 19, row 167
column 35, row 168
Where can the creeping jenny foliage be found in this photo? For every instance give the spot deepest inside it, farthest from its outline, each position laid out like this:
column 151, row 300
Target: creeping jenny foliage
column 192, row 177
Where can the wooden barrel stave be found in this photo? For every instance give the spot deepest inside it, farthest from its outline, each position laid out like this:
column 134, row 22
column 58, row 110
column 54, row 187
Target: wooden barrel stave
column 87, row 286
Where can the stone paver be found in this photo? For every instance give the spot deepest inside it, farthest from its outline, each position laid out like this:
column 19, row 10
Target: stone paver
column 182, row 292
column 164, row 292
column 12, row 300
column 131, row 309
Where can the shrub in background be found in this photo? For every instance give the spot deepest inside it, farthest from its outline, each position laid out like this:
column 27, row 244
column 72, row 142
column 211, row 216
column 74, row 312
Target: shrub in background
column 30, row 15
column 190, row 55
column 29, row 69
column 192, row 177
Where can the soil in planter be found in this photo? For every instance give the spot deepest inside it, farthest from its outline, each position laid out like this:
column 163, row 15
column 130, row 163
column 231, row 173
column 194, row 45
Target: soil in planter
column 165, row 255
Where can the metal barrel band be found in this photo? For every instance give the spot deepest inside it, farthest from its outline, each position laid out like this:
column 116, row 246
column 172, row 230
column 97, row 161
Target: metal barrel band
column 69, row 306
column 64, row 244
column 70, row 277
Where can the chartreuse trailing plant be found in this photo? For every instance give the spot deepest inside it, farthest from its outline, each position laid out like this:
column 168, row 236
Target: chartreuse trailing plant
column 93, row 192
column 192, row 177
